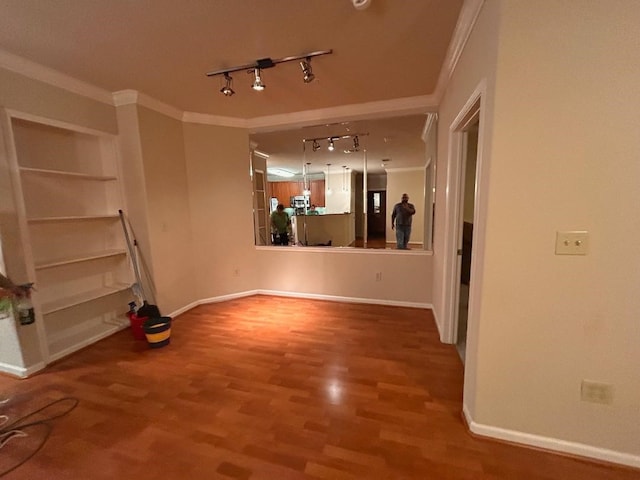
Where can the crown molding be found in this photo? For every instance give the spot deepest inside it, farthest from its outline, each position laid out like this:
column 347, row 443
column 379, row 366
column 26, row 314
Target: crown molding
column 466, row 20
column 429, row 124
column 130, row 97
column 53, row 77
column 218, row 120
column 125, row 97
column 357, row 111
column 406, row 169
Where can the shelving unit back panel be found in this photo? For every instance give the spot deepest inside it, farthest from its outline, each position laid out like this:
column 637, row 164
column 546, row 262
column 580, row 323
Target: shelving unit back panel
column 65, row 330
column 47, row 197
column 54, row 240
column 48, row 147
column 78, row 279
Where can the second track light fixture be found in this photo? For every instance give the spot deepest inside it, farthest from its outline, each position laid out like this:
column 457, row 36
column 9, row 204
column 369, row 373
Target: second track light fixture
column 256, row 67
column 331, row 146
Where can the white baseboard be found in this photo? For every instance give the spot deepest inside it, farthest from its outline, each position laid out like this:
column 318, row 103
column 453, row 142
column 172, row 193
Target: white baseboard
column 335, row 298
column 311, row 296
column 21, row 372
column 553, row 444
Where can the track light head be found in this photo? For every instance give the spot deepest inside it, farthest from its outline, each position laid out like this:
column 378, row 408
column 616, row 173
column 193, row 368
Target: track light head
column 307, row 72
column 315, row 146
column 331, row 146
column 227, row 91
column 258, row 86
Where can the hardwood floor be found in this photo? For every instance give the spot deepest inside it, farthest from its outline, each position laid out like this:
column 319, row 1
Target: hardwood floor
column 270, row 388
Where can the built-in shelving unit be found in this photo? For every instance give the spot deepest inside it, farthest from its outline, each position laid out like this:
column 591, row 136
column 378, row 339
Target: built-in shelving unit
column 71, row 194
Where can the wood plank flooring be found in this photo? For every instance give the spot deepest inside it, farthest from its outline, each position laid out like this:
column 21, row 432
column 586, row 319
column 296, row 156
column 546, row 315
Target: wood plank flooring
column 270, row 388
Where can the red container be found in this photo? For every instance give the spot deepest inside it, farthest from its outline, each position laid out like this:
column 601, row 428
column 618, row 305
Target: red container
column 136, row 326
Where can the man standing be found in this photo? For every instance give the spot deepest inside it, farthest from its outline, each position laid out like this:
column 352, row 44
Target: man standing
column 401, row 220
column 280, row 224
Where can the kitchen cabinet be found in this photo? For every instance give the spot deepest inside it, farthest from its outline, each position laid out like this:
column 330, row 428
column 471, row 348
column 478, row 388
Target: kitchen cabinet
column 283, row 191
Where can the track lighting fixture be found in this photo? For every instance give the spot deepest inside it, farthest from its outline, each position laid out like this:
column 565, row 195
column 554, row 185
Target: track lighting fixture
column 256, row 67
column 227, row 91
column 331, row 146
column 258, row 86
column 307, row 73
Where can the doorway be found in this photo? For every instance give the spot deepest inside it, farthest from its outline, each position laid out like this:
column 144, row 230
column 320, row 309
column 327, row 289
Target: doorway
column 468, row 182
column 376, row 215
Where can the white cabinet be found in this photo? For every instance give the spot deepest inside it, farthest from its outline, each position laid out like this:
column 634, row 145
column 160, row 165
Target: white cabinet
column 70, row 196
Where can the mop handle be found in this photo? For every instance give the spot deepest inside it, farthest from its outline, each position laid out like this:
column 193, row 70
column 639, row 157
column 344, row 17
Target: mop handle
column 131, row 253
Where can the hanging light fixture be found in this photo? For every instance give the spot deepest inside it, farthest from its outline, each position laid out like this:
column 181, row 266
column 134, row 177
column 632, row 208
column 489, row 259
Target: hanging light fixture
column 307, row 184
column 344, row 178
column 328, row 179
column 307, row 72
column 263, row 63
column 331, row 146
column 227, row 91
column 258, row 86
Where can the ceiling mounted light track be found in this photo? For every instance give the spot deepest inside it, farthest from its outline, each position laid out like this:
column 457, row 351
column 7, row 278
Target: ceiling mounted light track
column 256, row 67
column 315, row 145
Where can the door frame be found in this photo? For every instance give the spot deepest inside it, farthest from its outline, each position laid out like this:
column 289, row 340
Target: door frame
column 472, row 111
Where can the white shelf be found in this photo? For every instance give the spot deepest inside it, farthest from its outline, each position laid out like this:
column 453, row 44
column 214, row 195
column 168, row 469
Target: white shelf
column 67, row 345
column 72, row 218
column 84, row 258
column 72, row 301
column 73, row 175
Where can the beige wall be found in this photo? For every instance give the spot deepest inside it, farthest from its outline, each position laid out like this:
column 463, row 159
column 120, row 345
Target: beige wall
column 220, row 199
column 563, row 150
column 169, row 223
column 406, row 276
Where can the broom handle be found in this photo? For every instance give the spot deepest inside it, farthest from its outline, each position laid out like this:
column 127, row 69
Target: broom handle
column 132, row 254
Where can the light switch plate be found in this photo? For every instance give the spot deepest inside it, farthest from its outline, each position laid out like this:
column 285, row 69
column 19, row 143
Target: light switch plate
column 572, row 243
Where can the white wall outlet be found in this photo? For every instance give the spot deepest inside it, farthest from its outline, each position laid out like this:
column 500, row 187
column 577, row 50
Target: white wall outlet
column 596, row 392
column 572, row 243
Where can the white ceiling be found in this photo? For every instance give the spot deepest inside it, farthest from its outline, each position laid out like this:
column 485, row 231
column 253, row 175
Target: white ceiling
column 395, row 49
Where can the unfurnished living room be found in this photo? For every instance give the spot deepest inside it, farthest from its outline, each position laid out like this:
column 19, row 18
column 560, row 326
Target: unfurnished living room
column 245, row 239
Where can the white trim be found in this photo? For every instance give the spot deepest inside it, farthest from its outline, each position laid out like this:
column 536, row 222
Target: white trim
column 21, row 372
column 217, row 120
column 57, row 123
column 383, row 108
column 53, row 77
column 311, row 296
column 428, row 125
column 6, row 127
column 452, row 215
column 125, row 97
column 549, row 443
column 128, row 97
column 466, row 20
column 347, row 250
column 421, row 168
